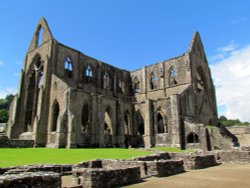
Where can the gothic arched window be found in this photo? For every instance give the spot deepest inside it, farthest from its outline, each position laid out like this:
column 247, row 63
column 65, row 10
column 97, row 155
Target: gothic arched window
column 68, row 67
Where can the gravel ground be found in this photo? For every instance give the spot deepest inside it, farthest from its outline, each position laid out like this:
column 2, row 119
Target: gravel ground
column 225, row 175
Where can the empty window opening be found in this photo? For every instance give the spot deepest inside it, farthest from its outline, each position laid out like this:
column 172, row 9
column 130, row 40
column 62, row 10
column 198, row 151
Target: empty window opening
column 68, row 67
column 85, row 118
column 127, row 123
column 88, row 74
column 30, row 102
column 136, row 85
column 35, row 77
column 172, row 76
column 107, row 122
column 140, row 123
column 121, row 87
column 40, row 36
column 192, row 138
column 160, row 125
column 55, row 115
column 40, row 74
column 200, row 83
column 106, row 81
column 153, row 81
column 141, row 129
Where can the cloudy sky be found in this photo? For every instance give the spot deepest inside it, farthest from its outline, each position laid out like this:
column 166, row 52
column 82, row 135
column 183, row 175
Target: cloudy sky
column 130, row 34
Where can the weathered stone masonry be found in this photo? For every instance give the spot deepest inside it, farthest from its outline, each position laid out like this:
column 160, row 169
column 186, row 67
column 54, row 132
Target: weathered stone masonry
column 68, row 99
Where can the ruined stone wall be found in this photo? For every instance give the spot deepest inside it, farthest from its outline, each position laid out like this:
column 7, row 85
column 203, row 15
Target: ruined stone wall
column 101, row 178
column 242, row 133
column 31, row 179
column 233, row 156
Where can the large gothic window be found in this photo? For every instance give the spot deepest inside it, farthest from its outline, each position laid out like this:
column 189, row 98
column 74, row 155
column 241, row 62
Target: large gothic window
column 68, row 67
column 35, row 79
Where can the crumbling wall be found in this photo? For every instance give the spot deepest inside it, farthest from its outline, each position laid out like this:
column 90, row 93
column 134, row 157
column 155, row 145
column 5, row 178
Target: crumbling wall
column 31, row 179
column 233, row 156
column 102, row 178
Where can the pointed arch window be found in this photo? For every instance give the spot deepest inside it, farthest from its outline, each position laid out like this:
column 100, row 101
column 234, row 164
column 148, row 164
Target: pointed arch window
column 172, row 76
column 85, row 118
column 160, row 125
column 136, row 85
column 153, row 81
column 88, row 74
column 55, row 115
column 40, row 36
column 68, row 67
column 106, row 81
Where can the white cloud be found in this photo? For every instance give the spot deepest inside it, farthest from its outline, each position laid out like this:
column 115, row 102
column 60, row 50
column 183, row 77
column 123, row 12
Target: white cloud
column 1, row 63
column 238, row 20
column 228, row 48
column 232, row 80
column 223, row 52
column 7, row 91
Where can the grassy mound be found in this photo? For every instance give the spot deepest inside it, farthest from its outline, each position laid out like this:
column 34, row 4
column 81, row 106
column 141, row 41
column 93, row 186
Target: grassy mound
column 25, row 156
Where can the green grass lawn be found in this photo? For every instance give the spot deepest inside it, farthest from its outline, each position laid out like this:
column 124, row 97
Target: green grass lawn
column 170, row 149
column 24, row 156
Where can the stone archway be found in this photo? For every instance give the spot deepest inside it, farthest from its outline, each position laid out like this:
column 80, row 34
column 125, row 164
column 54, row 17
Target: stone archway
column 192, row 138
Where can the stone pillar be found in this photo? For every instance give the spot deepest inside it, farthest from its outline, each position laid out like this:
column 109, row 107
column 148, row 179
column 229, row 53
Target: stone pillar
column 94, row 121
column 175, row 120
column 71, row 139
column 100, row 117
column 119, row 124
column 148, row 124
column 114, row 126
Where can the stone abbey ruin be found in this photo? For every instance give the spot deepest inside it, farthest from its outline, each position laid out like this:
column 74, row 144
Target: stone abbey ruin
column 68, row 99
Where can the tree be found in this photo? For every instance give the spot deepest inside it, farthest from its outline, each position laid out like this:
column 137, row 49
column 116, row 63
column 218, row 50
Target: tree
column 223, row 118
column 4, row 116
column 4, row 108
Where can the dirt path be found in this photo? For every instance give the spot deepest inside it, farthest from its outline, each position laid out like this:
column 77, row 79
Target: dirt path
column 222, row 176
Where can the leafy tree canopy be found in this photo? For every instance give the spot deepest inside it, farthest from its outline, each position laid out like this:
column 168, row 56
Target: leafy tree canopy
column 232, row 122
column 4, row 108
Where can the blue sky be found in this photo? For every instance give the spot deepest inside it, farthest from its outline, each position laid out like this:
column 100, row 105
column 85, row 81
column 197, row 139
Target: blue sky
column 133, row 33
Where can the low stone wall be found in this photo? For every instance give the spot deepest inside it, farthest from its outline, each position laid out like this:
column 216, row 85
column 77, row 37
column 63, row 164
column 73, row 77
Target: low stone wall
column 15, row 143
column 102, row 178
column 196, row 161
column 31, row 179
column 148, row 168
column 35, row 168
column 234, row 156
